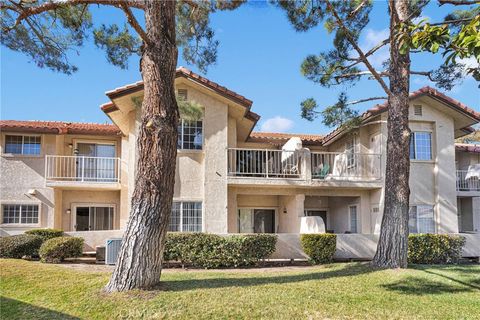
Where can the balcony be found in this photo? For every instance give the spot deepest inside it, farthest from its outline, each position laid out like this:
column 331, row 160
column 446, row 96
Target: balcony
column 81, row 171
column 302, row 167
column 467, row 185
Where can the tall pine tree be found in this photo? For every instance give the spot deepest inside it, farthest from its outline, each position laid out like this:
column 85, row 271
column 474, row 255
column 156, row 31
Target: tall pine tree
column 348, row 63
column 47, row 31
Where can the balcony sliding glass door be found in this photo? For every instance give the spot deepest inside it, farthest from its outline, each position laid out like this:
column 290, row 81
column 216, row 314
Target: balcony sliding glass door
column 95, row 162
column 256, row 220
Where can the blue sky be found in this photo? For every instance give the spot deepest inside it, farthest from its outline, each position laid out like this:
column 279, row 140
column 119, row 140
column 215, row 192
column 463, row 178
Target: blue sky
column 259, row 57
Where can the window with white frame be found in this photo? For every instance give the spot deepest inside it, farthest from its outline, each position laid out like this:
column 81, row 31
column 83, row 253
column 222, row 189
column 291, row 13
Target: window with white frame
column 190, row 135
column 353, row 219
column 28, row 145
column 350, row 151
column 20, row 213
column 421, row 146
column 421, row 219
column 186, row 216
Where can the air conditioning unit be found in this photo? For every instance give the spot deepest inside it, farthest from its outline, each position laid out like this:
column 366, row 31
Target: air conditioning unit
column 112, row 248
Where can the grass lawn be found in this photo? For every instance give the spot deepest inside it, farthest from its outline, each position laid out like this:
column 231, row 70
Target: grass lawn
column 31, row 290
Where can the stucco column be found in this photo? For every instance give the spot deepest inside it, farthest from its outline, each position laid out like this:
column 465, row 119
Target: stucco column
column 289, row 221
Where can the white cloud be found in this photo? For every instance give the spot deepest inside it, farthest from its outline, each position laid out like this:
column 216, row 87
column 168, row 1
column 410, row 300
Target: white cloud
column 277, row 124
column 372, row 38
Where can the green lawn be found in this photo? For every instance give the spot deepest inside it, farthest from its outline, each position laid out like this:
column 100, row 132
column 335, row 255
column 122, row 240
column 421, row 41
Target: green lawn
column 31, row 290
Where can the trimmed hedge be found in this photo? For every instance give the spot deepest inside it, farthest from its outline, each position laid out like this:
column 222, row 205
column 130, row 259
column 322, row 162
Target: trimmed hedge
column 319, row 247
column 46, row 234
column 435, row 248
column 205, row 250
column 58, row 249
column 20, row 245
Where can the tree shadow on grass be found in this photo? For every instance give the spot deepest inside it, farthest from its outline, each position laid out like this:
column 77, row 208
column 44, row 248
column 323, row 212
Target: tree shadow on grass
column 15, row 309
column 191, row 284
column 423, row 286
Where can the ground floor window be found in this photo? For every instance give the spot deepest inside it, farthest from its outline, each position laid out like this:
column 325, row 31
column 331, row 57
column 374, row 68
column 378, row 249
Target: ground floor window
column 256, row 220
column 186, row 216
column 94, row 218
column 353, row 219
column 20, row 213
column 421, row 219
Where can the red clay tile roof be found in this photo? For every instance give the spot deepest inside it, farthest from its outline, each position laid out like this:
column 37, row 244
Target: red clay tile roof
column 186, row 73
column 464, row 147
column 59, row 127
column 283, row 137
column 379, row 108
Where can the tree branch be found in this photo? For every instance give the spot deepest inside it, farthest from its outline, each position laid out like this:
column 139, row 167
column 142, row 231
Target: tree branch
column 451, row 21
column 365, row 100
column 362, row 56
column 458, row 2
column 357, row 9
column 369, row 52
column 134, row 23
column 360, row 73
column 25, row 12
column 423, row 73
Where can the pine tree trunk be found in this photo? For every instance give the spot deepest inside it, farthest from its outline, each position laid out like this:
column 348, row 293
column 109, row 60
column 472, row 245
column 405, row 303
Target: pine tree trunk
column 393, row 243
column 139, row 263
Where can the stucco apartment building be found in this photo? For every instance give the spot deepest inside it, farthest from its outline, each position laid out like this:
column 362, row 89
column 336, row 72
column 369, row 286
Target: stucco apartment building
column 79, row 177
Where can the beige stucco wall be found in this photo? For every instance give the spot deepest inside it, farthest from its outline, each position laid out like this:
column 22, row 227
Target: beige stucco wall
column 21, row 173
column 72, row 198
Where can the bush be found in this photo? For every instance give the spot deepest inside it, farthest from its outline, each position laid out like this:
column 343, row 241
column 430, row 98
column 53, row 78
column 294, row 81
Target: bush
column 434, row 248
column 57, row 249
column 213, row 251
column 46, row 234
column 319, row 247
column 20, row 245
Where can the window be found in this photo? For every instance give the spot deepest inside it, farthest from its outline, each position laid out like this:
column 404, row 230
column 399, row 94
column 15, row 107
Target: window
column 20, row 213
column 417, row 110
column 29, row 145
column 421, row 146
column 94, row 218
column 256, row 220
column 353, row 219
column 182, row 94
column 190, row 135
column 420, row 219
column 186, row 217
column 350, row 151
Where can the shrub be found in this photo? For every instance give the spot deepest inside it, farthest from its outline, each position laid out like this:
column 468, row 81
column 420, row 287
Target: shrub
column 57, row 249
column 319, row 247
column 20, row 245
column 46, row 234
column 213, row 251
column 434, row 248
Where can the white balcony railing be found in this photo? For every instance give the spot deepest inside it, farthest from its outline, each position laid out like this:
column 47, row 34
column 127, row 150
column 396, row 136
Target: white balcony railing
column 303, row 164
column 82, row 169
column 471, row 184
column 346, row 166
column 264, row 163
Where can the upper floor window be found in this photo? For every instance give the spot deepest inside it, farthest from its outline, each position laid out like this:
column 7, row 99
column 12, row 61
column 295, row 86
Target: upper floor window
column 20, row 213
column 350, row 151
column 28, row 145
column 186, row 217
column 421, row 146
column 190, row 135
column 182, row 94
column 421, row 220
